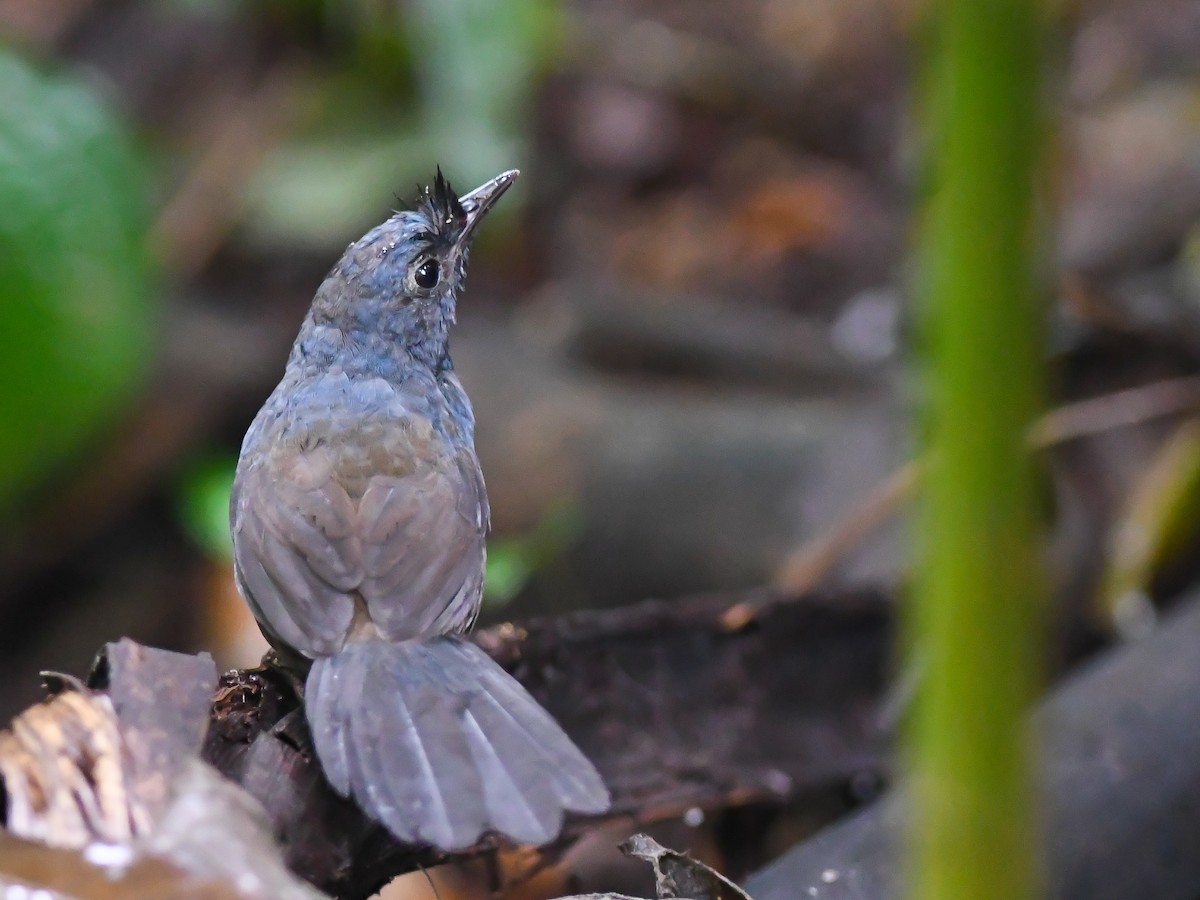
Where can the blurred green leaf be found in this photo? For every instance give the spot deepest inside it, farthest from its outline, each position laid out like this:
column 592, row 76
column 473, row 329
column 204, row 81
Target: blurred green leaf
column 509, row 569
column 75, row 310
column 203, row 503
column 318, row 193
column 513, row 561
column 1158, row 527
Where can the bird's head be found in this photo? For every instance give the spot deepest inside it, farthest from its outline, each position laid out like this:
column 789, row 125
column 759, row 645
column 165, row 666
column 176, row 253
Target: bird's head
column 398, row 282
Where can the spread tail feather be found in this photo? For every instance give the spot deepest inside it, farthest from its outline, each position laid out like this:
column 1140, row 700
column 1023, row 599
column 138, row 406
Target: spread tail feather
column 441, row 745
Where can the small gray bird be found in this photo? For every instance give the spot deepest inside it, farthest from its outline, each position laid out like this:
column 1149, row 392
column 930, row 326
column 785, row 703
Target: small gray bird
column 359, row 516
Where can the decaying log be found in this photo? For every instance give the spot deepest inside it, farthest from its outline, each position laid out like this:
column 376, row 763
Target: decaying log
column 104, row 794
column 1121, row 801
column 703, row 703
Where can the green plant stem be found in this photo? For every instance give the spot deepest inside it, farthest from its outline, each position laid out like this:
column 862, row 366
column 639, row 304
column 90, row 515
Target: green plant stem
column 974, row 628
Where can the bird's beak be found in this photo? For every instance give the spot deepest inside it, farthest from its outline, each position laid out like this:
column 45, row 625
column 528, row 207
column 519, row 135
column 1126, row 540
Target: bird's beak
column 480, row 200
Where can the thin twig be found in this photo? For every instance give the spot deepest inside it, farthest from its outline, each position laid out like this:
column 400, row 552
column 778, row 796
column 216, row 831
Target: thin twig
column 811, row 563
column 1120, row 409
column 204, row 207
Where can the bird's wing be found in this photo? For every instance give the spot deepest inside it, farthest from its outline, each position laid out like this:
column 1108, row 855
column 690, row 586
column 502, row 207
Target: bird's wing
column 422, row 539
column 318, row 524
column 297, row 557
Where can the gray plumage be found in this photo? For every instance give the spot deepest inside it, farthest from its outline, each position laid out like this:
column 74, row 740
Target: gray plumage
column 359, row 515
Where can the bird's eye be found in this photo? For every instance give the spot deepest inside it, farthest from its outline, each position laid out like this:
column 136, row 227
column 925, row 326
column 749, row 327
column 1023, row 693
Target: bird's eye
column 428, row 273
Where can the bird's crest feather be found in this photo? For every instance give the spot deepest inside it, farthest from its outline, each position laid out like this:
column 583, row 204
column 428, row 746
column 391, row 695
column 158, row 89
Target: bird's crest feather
column 440, row 205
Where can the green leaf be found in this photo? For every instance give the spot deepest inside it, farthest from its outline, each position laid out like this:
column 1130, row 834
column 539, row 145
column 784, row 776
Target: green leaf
column 74, row 290
column 513, row 561
column 203, row 504
column 1157, row 528
column 509, row 568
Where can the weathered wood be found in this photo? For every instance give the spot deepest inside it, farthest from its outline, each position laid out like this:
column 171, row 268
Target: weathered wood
column 104, row 796
column 711, row 702
column 161, row 700
column 704, row 703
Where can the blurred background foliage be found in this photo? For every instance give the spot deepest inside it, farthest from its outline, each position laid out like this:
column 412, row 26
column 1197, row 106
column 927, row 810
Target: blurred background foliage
column 76, row 306
column 395, row 97
column 684, row 333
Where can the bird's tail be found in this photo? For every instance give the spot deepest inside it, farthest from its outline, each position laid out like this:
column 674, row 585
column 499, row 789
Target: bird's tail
column 440, row 744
